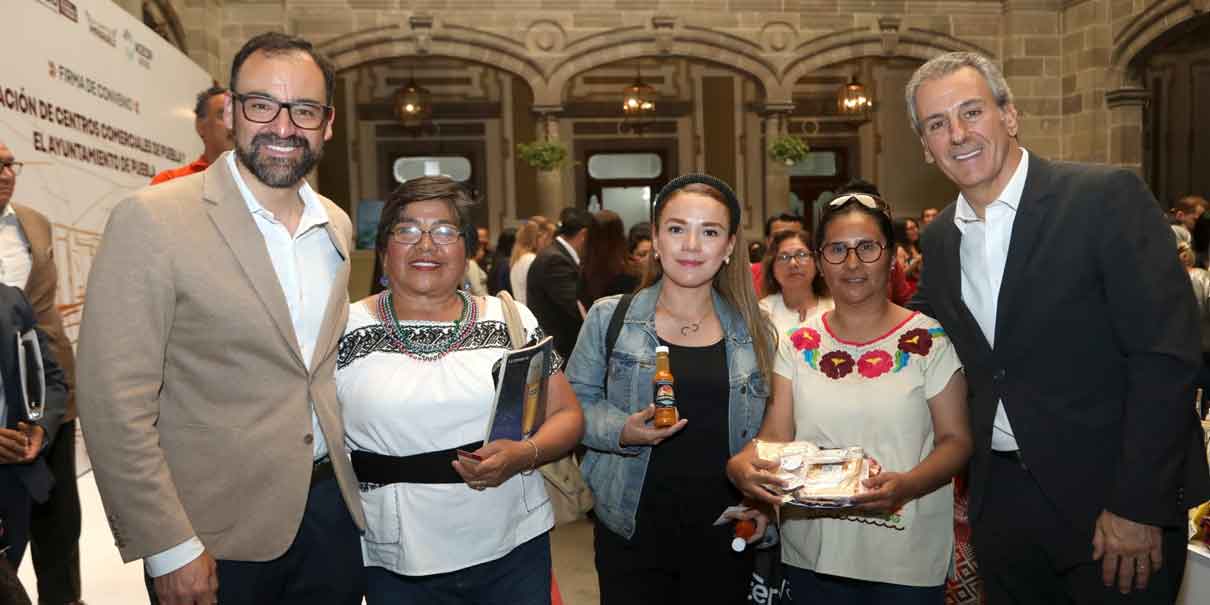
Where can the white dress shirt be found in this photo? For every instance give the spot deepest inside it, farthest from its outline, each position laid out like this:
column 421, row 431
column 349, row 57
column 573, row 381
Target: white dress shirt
column 16, row 261
column 983, row 253
column 569, row 248
column 306, row 263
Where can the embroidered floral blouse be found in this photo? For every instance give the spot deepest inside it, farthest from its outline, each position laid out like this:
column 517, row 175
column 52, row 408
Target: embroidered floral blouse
column 874, row 395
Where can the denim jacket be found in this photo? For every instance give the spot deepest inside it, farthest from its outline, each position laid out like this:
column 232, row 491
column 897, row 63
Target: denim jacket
column 616, row 473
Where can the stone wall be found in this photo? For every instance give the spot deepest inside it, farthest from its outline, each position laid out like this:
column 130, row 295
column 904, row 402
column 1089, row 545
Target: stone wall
column 1062, row 57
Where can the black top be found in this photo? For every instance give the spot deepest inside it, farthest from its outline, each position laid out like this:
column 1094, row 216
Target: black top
column 686, row 483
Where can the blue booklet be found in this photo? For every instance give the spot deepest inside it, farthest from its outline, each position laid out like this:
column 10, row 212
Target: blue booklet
column 522, row 380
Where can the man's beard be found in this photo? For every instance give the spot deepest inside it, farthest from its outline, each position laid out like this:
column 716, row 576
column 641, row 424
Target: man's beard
column 278, row 172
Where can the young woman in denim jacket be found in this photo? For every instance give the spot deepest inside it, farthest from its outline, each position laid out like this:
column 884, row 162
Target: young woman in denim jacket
column 659, row 491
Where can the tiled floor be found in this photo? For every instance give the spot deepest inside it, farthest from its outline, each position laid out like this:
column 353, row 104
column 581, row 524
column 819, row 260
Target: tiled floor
column 107, row 581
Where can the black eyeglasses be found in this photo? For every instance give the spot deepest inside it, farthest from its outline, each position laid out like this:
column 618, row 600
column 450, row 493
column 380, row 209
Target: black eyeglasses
column 868, row 251
column 13, row 166
column 442, row 235
column 262, row 110
column 801, row 256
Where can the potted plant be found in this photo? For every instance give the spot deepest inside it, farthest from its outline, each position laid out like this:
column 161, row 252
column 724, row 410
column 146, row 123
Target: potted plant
column 788, row 149
column 543, row 155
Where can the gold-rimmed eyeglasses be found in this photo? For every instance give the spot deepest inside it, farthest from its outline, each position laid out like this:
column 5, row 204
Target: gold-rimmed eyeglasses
column 442, row 235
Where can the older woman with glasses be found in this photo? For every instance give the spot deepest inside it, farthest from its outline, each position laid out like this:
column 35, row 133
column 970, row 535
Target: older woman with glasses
column 872, row 374
column 795, row 288
column 414, row 376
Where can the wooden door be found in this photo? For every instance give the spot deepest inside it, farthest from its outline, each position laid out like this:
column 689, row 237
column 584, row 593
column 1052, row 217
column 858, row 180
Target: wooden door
column 1176, row 138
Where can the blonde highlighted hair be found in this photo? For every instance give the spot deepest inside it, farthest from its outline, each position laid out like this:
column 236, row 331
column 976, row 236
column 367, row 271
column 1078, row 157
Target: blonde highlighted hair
column 529, row 237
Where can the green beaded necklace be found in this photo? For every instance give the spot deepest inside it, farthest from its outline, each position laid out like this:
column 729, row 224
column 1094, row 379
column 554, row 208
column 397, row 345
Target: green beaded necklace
column 406, row 344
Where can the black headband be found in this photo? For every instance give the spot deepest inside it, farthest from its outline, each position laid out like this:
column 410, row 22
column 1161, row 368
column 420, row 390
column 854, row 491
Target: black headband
column 689, row 179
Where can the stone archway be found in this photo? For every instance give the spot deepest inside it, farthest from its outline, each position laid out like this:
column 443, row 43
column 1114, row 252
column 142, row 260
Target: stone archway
column 1159, row 65
column 664, row 40
column 1145, row 28
column 421, row 39
column 891, row 42
column 162, row 18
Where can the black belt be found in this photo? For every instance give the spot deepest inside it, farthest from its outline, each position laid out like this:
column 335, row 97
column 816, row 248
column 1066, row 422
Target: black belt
column 322, row 471
column 429, row 467
column 1013, row 456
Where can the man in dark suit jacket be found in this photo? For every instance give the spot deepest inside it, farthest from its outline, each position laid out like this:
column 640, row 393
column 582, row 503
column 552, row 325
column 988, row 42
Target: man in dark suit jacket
column 24, row 476
column 553, row 282
column 1057, row 284
column 55, row 524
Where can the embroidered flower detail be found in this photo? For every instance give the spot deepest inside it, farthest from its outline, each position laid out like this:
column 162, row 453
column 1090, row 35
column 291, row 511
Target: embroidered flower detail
column 916, row 341
column 875, row 363
column 836, row 364
column 805, row 339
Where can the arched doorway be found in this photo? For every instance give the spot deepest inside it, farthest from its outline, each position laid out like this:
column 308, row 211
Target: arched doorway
column 1175, row 70
column 706, row 119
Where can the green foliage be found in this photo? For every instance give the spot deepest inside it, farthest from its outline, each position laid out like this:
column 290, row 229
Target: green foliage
column 543, row 155
column 788, row 149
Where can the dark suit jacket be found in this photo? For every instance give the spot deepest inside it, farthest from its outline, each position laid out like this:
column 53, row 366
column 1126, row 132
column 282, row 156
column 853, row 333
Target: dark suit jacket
column 551, row 289
column 16, row 314
column 40, row 291
column 1096, row 346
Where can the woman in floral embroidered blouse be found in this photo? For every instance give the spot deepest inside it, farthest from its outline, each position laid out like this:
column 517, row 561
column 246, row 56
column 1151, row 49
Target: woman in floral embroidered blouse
column 868, row 373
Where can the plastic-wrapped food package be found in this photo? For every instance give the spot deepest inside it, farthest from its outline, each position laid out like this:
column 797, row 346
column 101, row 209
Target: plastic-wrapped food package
column 815, row 476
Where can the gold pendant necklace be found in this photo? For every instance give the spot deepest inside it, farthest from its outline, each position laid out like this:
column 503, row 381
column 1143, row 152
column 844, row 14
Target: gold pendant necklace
column 690, row 326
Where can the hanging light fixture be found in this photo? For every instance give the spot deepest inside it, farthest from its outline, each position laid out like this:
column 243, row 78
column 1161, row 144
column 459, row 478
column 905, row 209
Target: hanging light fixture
column 413, row 103
column 638, row 104
column 853, row 98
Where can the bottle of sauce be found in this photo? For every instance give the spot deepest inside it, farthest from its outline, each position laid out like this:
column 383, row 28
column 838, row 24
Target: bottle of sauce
column 664, row 396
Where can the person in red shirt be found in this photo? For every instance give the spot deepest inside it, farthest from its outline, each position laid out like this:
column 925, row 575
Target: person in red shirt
column 210, row 128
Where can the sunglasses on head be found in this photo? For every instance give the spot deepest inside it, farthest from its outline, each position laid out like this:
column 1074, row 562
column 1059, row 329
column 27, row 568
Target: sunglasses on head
column 872, row 202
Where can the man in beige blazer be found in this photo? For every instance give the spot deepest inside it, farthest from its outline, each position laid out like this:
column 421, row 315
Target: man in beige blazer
column 207, row 355
column 27, row 253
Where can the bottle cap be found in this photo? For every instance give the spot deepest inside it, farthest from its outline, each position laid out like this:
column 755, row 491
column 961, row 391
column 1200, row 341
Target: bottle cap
column 661, row 349
column 739, row 544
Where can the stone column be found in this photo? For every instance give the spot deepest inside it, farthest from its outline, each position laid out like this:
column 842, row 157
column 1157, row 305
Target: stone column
column 550, row 182
column 777, row 174
column 1126, row 106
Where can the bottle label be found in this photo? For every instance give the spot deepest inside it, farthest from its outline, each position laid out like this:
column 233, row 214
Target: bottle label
column 664, row 396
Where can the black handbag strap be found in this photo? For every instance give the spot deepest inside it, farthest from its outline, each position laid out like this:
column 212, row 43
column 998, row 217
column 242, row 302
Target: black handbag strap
column 611, row 334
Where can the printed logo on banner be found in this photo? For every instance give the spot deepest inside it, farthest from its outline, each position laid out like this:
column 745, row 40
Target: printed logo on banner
column 67, row 8
column 107, row 34
column 51, row 4
column 135, row 48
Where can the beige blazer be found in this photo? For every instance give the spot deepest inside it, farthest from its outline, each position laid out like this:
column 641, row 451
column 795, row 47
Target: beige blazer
column 194, row 399
column 40, row 290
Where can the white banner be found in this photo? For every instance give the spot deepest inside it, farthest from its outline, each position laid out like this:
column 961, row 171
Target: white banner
column 95, row 104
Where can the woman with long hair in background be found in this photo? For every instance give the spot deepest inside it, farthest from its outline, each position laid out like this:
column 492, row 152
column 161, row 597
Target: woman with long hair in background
column 605, row 268
column 532, row 237
column 498, row 279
